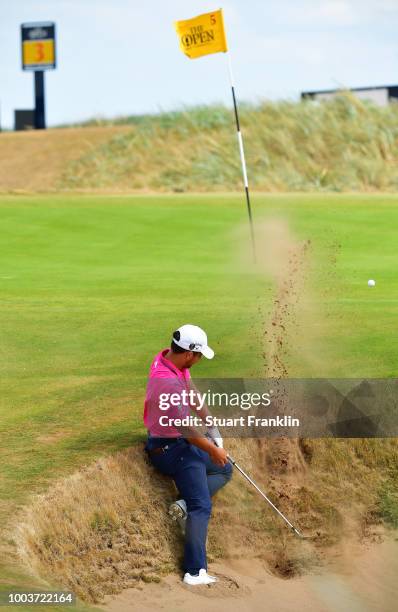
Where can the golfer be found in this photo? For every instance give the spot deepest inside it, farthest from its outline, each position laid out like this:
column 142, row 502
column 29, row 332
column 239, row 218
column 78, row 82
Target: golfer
column 197, row 464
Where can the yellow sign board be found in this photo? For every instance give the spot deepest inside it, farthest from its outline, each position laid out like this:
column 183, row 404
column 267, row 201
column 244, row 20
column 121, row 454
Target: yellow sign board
column 38, row 46
column 38, row 53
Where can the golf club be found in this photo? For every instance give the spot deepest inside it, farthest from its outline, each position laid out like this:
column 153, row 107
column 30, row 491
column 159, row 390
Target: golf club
column 292, row 527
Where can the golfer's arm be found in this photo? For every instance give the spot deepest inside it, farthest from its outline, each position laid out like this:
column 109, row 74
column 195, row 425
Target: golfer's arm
column 202, row 443
column 195, row 437
column 202, row 412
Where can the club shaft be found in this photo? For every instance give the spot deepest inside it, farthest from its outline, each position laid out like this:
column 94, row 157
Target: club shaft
column 263, row 495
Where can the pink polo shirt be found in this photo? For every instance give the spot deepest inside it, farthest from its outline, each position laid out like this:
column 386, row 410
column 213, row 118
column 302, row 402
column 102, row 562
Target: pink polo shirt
column 164, row 378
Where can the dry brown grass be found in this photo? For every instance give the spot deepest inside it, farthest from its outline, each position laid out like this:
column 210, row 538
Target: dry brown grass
column 34, row 160
column 343, row 145
column 106, row 527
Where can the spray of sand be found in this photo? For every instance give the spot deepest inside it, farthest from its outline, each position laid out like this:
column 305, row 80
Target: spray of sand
column 284, row 259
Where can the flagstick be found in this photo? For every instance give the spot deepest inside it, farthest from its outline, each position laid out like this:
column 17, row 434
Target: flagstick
column 242, row 155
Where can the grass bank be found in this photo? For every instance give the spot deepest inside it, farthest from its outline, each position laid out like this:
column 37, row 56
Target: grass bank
column 340, row 146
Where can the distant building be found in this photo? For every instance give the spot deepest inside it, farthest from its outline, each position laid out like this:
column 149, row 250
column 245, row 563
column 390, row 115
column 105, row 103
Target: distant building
column 381, row 95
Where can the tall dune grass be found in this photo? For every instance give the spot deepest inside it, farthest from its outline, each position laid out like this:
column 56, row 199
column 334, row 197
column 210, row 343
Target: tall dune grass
column 342, row 145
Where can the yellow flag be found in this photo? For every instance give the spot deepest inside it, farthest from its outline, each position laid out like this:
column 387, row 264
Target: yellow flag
column 202, row 35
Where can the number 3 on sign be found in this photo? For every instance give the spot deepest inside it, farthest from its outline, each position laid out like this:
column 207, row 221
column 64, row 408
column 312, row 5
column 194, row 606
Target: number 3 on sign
column 212, row 19
column 39, row 52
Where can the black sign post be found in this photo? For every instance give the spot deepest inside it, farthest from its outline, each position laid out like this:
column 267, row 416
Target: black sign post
column 40, row 111
column 38, row 55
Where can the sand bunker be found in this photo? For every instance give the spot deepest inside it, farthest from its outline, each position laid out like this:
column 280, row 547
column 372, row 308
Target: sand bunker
column 366, row 581
column 105, row 528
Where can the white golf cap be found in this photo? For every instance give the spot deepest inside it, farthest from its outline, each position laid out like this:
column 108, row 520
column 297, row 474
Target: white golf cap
column 193, row 338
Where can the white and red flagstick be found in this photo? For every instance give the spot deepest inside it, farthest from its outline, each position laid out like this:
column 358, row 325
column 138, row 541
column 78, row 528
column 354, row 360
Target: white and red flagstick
column 242, row 154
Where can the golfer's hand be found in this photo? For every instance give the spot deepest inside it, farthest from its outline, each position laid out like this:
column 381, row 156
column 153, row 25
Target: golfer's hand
column 218, row 456
column 214, row 433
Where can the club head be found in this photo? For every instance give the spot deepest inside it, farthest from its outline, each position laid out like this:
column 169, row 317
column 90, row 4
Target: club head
column 305, row 537
column 300, row 535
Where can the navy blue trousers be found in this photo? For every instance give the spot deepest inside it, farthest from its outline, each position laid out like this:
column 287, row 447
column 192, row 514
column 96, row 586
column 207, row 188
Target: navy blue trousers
column 197, row 479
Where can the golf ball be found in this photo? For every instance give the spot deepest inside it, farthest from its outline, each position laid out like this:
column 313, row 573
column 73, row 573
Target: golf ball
column 371, row 283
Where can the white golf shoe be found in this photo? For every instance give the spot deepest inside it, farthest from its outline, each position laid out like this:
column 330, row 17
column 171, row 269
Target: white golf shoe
column 202, row 578
column 178, row 512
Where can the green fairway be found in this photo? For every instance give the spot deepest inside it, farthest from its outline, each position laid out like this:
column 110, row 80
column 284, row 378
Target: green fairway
column 92, row 287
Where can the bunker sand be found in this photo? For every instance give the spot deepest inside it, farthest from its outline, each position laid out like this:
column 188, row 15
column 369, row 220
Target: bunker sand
column 360, row 579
